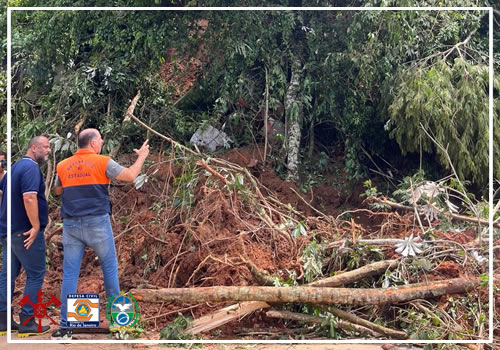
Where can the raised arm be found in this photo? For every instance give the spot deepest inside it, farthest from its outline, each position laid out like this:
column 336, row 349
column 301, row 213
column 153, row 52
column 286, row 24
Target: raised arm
column 129, row 174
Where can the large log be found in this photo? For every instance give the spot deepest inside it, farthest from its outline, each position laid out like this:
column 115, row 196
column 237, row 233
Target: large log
column 313, row 295
column 236, row 311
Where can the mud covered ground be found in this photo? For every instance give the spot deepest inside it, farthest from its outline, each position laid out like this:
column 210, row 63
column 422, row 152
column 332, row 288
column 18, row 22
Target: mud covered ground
column 182, row 229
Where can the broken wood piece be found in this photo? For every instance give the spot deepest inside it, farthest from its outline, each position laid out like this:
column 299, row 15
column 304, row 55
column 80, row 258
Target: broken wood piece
column 313, row 295
column 213, row 172
column 131, row 108
column 356, row 275
column 79, row 125
column 126, row 118
column 222, row 316
column 345, row 325
column 365, row 323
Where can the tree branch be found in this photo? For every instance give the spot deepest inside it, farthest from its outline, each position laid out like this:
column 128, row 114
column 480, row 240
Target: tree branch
column 348, row 326
column 356, row 275
column 454, row 216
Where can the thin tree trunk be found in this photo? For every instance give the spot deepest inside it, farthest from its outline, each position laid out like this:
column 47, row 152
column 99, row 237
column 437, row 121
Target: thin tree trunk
column 362, row 322
column 313, row 295
column 293, row 110
column 311, row 139
column 266, row 116
column 348, row 326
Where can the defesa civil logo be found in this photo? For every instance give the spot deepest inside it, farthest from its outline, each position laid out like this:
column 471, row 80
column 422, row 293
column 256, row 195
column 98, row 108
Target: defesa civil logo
column 83, row 310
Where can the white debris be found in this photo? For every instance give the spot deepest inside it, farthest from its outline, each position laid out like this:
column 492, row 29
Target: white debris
column 409, row 246
column 140, row 180
column 430, row 189
column 480, row 259
column 210, row 138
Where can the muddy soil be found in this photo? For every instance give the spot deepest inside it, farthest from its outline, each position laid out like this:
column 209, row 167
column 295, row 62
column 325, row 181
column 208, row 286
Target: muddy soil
column 205, row 244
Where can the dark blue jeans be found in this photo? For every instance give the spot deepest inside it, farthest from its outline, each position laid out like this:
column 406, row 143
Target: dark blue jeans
column 32, row 260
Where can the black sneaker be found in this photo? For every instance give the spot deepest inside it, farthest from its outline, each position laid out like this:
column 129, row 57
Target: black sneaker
column 62, row 334
column 3, row 324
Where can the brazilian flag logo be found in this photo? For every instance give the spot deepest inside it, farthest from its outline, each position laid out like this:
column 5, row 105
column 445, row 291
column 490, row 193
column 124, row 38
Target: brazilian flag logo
column 122, row 311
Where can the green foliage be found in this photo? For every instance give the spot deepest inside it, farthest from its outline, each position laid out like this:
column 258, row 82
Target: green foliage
column 186, row 184
column 409, row 183
column 372, row 191
column 442, row 98
column 420, row 325
column 87, row 65
column 362, row 70
column 312, row 257
column 353, row 255
column 174, row 331
column 313, row 170
column 299, row 230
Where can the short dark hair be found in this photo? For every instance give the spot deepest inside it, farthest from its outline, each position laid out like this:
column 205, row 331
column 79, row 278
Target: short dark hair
column 2, row 153
column 85, row 138
column 34, row 141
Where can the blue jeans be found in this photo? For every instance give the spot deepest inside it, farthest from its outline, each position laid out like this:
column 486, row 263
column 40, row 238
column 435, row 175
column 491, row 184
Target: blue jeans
column 33, row 262
column 92, row 231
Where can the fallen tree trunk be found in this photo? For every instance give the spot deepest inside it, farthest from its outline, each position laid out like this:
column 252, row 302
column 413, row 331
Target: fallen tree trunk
column 348, row 326
column 356, row 275
column 232, row 312
column 313, row 295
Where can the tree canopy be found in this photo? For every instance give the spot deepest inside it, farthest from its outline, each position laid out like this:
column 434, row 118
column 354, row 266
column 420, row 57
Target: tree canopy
column 378, row 82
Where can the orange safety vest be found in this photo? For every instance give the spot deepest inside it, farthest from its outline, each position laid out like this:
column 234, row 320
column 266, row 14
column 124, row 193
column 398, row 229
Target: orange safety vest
column 85, row 185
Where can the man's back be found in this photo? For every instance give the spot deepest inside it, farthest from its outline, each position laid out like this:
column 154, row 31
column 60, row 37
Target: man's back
column 83, row 177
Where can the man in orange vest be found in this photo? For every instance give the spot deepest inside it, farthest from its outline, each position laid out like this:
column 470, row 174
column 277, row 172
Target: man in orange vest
column 83, row 181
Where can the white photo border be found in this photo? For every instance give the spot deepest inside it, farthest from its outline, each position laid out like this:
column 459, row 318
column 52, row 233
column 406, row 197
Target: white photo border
column 350, row 341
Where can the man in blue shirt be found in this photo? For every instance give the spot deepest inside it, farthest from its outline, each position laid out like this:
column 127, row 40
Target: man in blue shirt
column 29, row 218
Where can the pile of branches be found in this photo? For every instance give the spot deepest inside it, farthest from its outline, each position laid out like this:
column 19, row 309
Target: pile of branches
column 216, row 223
column 203, row 230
